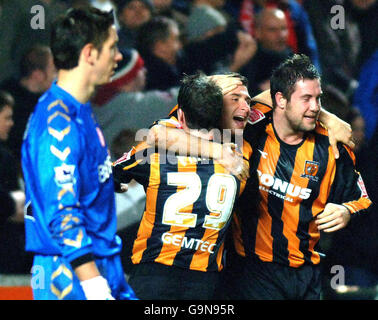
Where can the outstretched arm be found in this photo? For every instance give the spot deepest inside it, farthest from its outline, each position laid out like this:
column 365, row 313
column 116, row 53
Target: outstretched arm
column 338, row 130
column 184, row 144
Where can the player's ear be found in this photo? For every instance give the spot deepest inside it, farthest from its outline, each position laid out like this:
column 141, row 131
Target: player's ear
column 281, row 101
column 89, row 53
column 181, row 117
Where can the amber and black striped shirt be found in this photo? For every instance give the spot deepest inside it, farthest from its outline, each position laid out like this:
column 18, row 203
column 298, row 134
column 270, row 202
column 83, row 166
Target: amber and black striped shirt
column 295, row 182
column 189, row 204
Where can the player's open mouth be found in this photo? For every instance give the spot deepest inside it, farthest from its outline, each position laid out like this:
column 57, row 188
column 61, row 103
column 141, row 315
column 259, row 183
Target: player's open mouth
column 239, row 118
column 239, row 121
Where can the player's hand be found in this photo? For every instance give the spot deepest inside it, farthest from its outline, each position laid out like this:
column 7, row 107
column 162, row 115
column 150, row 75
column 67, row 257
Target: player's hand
column 334, row 217
column 244, row 52
column 96, row 288
column 226, row 82
column 338, row 131
column 123, row 187
column 233, row 161
column 264, row 97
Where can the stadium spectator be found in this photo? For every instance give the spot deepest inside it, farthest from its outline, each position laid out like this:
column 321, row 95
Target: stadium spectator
column 132, row 14
column 338, row 48
column 167, row 9
column 271, row 34
column 300, row 36
column 215, row 45
column 37, row 72
column 24, row 24
column 366, row 95
column 364, row 13
column 13, row 258
column 203, row 22
column 159, row 44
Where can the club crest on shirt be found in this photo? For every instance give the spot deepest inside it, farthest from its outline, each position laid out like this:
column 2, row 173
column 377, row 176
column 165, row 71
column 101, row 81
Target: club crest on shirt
column 255, row 116
column 310, row 171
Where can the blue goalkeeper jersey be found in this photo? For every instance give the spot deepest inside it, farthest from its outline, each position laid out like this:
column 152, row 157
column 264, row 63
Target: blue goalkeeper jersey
column 70, row 203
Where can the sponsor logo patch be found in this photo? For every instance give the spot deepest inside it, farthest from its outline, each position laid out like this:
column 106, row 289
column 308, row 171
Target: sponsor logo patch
column 64, row 176
column 105, row 170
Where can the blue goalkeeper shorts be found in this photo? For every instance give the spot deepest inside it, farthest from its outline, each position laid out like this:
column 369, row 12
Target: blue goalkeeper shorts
column 54, row 279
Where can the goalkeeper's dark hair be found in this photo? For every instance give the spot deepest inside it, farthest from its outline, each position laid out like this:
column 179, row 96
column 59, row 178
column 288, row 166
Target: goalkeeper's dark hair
column 285, row 76
column 76, row 28
column 201, row 100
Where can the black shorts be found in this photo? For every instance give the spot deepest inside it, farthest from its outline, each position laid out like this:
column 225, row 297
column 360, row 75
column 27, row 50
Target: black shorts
column 272, row 281
column 155, row 281
column 231, row 276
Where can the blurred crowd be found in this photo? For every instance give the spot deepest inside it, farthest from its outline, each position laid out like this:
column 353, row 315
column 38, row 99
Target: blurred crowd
column 161, row 40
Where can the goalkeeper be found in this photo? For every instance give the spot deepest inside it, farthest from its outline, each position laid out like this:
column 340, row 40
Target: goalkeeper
column 70, row 217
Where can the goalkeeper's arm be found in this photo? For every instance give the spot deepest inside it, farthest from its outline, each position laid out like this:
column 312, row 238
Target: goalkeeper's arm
column 94, row 285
